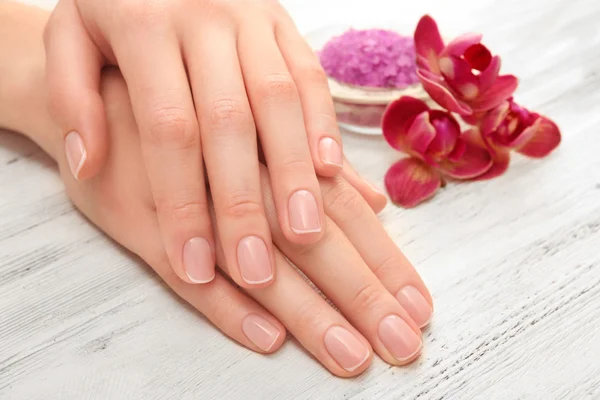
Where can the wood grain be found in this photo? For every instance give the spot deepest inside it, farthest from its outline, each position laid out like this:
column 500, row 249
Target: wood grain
column 513, row 264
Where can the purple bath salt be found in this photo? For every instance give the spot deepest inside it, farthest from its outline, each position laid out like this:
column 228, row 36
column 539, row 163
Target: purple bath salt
column 373, row 57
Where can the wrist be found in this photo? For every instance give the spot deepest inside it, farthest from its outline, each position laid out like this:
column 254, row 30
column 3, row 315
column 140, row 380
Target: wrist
column 22, row 84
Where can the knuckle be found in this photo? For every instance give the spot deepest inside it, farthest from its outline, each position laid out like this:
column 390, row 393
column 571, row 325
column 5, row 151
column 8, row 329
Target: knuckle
column 277, row 89
column 183, row 211
column 313, row 74
column 367, row 298
column 294, row 163
column 391, row 265
column 141, row 13
column 228, row 113
column 345, row 201
column 169, row 126
column 309, row 316
column 243, row 204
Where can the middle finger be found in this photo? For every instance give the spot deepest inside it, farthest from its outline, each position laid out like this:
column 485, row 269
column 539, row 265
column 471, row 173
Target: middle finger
column 277, row 110
column 231, row 156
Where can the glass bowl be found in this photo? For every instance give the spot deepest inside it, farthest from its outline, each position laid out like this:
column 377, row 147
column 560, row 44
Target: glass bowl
column 359, row 109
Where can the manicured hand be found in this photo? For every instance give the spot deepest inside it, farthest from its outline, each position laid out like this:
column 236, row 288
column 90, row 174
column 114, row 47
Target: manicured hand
column 381, row 299
column 204, row 76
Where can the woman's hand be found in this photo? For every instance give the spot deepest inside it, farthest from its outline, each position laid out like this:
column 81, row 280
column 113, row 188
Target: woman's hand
column 203, row 76
column 382, row 299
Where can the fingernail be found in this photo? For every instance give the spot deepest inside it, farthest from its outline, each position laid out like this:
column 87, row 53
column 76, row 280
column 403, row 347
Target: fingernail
column 415, row 304
column 304, row 213
column 260, row 331
column 330, row 152
column 345, row 348
column 76, row 153
column 399, row 338
column 254, row 260
column 198, row 261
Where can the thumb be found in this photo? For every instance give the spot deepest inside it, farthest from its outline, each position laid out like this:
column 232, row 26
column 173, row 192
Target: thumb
column 73, row 68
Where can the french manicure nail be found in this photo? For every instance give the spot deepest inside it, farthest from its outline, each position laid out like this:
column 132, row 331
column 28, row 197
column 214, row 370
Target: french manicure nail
column 399, row 338
column 345, row 348
column 260, row 331
column 304, row 213
column 198, row 260
column 254, row 261
column 330, row 152
column 415, row 304
column 76, row 153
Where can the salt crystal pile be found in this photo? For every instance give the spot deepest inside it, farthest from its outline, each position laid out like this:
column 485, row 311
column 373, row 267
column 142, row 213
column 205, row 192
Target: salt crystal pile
column 376, row 58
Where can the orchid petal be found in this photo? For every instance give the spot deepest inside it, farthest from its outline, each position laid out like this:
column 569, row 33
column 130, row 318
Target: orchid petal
column 475, row 161
column 526, row 135
column 441, row 94
column 432, row 76
column 422, row 62
column 474, row 119
column 428, row 41
column 492, row 120
column 446, row 133
column 546, row 138
column 474, row 137
column 489, row 75
column 478, row 56
column 410, row 182
column 420, row 134
column 397, row 119
column 459, row 150
column 458, row 46
column 459, row 75
column 501, row 90
column 501, row 160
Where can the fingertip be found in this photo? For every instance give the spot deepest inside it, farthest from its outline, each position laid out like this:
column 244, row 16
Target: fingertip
column 73, row 68
column 329, row 159
column 198, row 262
column 280, row 339
column 327, row 170
column 253, row 264
column 254, row 285
column 306, row 217
column 93, row 137
column 374, row 196
column 377, row 201
column 265, row 333
column 302, row 237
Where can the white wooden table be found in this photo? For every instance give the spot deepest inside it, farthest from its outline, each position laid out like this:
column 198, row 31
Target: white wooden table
column 513, row 264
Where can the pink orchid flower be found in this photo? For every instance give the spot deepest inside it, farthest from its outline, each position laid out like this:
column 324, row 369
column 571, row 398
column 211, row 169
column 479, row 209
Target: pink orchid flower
column 512, row 127
column 436, row 147
column 463, row 75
